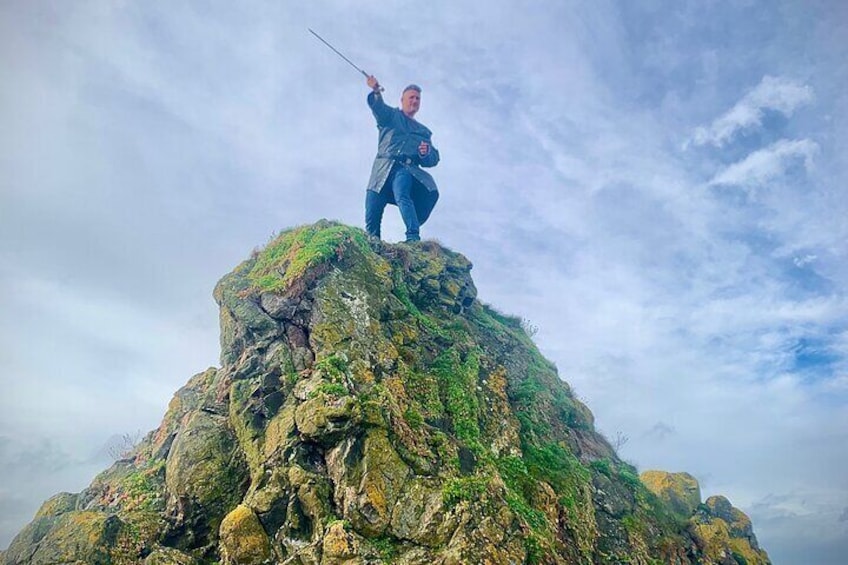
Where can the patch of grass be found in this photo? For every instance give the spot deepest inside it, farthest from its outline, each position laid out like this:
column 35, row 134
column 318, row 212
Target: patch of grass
column 556, row 465
column 141, row 490
column 413, row 418
column 458, row 381
column 387, row 548
column 602, row 466
column 333, row 366
column 295, row 251
column 534, row 518
column 329, row 389
column 533, row 547
column 464, row 489
column 628, row 476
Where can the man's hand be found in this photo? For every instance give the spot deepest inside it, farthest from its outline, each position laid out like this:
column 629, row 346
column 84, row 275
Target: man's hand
column 423, row 148
column 373, row 83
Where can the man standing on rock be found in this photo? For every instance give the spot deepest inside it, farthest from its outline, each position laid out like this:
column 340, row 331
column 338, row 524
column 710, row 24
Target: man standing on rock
column 404, row 147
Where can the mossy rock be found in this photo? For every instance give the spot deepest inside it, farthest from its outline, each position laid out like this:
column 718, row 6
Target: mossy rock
column 206, row 476
column 73, row 537
column 243, row 541
column 169, row 556
column 369, row 409
column 680, row 491
column 58, row 504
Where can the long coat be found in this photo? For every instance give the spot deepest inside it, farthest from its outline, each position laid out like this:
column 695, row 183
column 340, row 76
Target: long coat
column 399, row 138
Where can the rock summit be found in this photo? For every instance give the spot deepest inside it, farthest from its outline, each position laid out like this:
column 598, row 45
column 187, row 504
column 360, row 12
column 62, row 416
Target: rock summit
column 369, row 409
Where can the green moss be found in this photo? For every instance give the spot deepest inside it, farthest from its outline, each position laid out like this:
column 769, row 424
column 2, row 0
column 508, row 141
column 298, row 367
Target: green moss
column 514, row 473
column 423, row 390
column 329, row 389
column 740, row 559
column 458, row 380
column 387, row 548
column 244, row 424
column 143, row 488
column 629, row 476
column 294, row 252
column 334, row 366
column 401, row 291
column 534, row 549
column 602, row 466
column 413, row 418
column 464, row 489
column 531, row 516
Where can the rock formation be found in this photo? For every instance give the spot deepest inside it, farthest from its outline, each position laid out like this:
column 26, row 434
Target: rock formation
column 369, row 409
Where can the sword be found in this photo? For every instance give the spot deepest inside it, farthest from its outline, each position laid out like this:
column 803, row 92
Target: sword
column 336, row 51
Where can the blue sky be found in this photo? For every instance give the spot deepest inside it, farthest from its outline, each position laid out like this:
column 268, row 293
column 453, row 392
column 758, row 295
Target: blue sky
column 660, row 187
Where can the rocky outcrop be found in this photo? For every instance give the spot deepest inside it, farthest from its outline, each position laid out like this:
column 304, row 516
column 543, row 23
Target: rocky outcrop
column 722, row 534
column 680, row 491
column 369, row 409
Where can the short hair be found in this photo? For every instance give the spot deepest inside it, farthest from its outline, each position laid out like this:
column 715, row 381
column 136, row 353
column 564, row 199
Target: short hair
column 414, row 87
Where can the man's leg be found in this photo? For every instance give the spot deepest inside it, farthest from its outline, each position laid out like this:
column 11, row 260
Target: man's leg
column 402, row 189
column 375, row 203
column 425, row 201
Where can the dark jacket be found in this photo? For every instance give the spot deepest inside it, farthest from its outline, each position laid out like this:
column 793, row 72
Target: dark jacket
column 398, row 146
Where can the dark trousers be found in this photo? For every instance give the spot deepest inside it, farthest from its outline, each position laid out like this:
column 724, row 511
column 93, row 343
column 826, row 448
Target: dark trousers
column 414, row 201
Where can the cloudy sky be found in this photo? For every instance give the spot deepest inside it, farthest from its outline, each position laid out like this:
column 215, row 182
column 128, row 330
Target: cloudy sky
column 658, row 186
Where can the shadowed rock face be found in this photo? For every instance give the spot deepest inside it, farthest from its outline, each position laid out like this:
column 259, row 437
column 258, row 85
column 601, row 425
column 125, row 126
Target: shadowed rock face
column 369, row 409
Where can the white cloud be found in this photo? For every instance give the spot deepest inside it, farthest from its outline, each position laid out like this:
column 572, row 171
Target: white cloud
column 764, row 165
column 773, row 93
column 151, row 148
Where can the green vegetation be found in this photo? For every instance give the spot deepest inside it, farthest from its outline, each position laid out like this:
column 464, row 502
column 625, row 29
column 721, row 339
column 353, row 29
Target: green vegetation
column 458, row 381
column 142, row 488
column 329, row 389
column 602, row 466
column 464, row 489
column 295, row 251
column 334, row 366
column 534, row 550
column 386, row 547
column 413, row 418
column 401, row 291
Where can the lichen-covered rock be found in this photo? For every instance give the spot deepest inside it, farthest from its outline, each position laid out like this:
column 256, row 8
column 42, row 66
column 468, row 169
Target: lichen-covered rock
column 369, row 409
column 724, row 533
column 72, row 537
column 680, row 491
column 243, row 541
column 169, row 556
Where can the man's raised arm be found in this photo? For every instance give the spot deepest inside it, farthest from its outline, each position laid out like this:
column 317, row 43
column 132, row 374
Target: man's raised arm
column 382, row 111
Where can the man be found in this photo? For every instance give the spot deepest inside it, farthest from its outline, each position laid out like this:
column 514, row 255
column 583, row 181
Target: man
column 396, row 177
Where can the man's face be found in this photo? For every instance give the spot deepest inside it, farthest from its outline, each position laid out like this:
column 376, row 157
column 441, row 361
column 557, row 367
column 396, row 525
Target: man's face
column 410, row 102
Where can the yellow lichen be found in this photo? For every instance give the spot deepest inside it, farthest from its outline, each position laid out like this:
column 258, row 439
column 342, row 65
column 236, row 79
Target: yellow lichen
column 243, row 541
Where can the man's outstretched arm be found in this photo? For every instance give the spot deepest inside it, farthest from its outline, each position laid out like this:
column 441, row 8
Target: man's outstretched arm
column 382, row 111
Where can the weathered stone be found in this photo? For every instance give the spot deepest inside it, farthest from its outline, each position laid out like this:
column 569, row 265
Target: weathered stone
column 340, row 545
column 324, row 418
column 206, row 476
column 58, row 504
column 243, row 541
column 680, row 491
column 370, row 410
column 72, row 537
column 169, row 556
column 419, row 513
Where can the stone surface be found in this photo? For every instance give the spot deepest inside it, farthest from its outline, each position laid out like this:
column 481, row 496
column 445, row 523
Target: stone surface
column 243, row 541
column 370, row 409
column 680, row 491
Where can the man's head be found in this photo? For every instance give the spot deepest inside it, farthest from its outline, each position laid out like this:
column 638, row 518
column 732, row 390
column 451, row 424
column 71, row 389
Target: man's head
column 410, row 100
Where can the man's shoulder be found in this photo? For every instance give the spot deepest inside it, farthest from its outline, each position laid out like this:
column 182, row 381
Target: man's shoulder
column 422, row 128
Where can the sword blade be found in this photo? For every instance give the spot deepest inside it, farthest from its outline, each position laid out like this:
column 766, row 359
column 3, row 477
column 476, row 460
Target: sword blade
column 336, row 51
